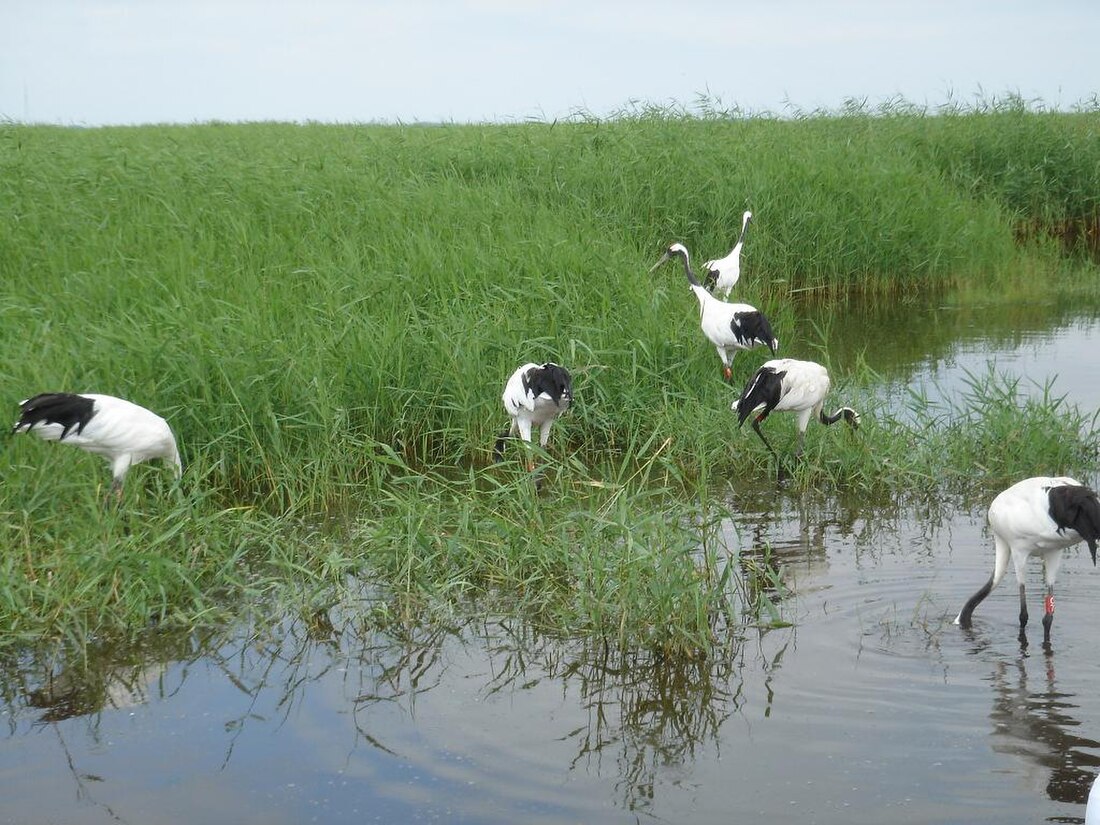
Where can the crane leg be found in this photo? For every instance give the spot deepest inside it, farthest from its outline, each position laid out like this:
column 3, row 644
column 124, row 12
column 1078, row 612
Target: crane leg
column 727, row 364
column 780, row 472
column 114, row 495
column 1023, row 614
column 1048, row 615
column 524, row 427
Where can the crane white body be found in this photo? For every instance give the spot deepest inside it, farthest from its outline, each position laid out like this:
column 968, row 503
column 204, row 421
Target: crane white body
column 730, row 327
column 722, row 274
column 789, row 385
column 1039, row 516
column 534, row 396
column 119, row 430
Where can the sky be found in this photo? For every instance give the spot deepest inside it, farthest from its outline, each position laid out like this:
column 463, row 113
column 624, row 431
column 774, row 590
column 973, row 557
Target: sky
column 101, row 62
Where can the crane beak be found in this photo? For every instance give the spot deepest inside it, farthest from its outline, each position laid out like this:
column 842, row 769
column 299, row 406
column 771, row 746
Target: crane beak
column 661, row 261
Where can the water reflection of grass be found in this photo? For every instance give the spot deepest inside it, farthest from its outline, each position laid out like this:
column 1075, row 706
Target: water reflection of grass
column 898, row 338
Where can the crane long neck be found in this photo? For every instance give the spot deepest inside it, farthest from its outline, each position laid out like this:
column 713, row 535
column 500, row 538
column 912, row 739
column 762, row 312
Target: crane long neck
column 687, row 269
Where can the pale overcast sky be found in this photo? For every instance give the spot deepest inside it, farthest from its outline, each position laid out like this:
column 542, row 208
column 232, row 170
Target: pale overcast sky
column 93, row 62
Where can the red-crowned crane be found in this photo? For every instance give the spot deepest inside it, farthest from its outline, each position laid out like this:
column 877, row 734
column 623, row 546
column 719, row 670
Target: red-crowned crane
column 788, row 385
column 730, row 327
column 120, row 431
column 535, row 395
column 1039, row 516
column 721, row 275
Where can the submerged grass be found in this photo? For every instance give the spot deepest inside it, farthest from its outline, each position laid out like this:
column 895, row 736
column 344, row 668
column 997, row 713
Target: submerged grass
column 326, row 315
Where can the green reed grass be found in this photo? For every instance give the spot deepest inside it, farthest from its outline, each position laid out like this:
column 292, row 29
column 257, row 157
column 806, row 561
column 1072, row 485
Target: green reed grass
column 288, row 294
column 967, row 446
column 327, row 314
column 635, row 557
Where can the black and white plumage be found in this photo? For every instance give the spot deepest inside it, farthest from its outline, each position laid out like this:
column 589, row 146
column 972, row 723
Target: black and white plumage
column 730, row 327
column 789, row 385
column 721, row 275
column 119, row 430
column 1038, row 516
column 535, row 395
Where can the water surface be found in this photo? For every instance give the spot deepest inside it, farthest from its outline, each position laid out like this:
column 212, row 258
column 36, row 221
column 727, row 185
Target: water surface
column 872, row 708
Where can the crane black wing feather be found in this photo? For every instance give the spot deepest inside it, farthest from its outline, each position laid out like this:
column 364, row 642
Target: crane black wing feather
column 764, row 389
column 1077, row 508
column 751, row 327
column 68, row 410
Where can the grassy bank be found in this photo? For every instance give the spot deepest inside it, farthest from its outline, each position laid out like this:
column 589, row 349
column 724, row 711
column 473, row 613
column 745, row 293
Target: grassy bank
column 318, row 309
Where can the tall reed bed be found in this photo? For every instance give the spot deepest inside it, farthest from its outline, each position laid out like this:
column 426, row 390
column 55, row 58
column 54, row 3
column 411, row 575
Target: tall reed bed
column 317, row 309
column 291, row 294
column 633, row 551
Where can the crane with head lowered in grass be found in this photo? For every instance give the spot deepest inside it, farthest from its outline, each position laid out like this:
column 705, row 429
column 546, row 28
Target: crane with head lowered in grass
column 119, row 430
column 789, row 385
column 730, row 327
column 534, row 396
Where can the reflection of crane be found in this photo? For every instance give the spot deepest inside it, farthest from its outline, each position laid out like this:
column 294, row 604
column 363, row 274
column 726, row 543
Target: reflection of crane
column 1038, row 516
column 73, row 692
column 106, row 676
column 1038, row 726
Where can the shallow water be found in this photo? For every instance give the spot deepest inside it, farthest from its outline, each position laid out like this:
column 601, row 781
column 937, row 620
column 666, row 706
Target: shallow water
column 872, row 708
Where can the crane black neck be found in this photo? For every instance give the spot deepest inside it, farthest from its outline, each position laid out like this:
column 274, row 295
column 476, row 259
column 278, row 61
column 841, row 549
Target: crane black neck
column 683, row 256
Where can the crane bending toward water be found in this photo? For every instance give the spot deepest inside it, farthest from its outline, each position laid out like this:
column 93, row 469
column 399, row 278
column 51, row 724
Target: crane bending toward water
column 1039, row 516
column 789, row 385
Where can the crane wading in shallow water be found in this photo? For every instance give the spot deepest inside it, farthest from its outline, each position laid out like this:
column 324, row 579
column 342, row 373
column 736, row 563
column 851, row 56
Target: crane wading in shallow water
column 788, row 385
column 119, row 430
column 730, row 327
column 535, row 395
column 722, row 274
column 1039, row 516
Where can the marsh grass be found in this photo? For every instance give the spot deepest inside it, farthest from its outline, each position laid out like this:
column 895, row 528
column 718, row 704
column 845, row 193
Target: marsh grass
column 964, row 447
column 634, row 556
column 327, row 314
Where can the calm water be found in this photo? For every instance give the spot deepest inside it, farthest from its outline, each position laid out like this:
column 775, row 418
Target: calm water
column 873, row 708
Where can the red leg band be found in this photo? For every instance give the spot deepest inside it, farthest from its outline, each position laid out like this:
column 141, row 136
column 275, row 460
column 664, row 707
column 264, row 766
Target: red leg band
column 1048, row 605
